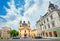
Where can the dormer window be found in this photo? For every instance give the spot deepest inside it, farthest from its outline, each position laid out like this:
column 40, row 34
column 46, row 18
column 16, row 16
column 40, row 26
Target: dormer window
column 51, row 6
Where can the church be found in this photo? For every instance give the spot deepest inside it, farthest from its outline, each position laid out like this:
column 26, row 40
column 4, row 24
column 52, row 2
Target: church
column 25, row 30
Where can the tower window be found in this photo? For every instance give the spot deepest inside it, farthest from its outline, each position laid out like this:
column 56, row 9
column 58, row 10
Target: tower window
column 29, row 30
column 23, row 21
column 20, row 21
column 28, row 22
column 29, row 25
column 20, row 25
column 25, row 31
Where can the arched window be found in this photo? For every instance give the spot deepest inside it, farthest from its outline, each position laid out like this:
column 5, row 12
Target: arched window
column 50, row 33
column 55, row 33
column 41, row 34
column 47, row 34
column 25, row 31
column 20, row 26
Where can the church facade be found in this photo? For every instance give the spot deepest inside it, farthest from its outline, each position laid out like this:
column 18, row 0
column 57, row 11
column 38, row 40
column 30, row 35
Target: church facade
column 25, row 30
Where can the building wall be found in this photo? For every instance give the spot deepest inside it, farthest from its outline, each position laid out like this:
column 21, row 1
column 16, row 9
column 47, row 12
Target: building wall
column 52, row 30
column 0, row 33
column 25, row 29
column 38, row 28
column 49, row 23
column 5, row 33
column 33, row 33
column 23, row 32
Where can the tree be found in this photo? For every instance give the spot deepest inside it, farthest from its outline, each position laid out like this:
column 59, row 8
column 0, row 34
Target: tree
column 13, row 33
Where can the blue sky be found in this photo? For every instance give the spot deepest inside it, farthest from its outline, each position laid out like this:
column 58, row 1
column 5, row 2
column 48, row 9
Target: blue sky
column 12, row 11
column 2, row 10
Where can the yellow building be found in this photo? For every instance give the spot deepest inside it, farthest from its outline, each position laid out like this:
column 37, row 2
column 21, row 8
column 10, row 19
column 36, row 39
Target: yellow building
column 33, row 33
column 25, row 30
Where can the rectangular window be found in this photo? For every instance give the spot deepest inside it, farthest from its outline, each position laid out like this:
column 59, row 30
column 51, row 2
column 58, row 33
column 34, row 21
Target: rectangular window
column 41, row 28
column 47, row 34
column 45, row 26
column 44, row 21
column 53, row 25
column 50, row 33
column 41, row 24
column 25, row 31
column 47, row 20
column 51, row 17
column 55, row 33
column 48, row 26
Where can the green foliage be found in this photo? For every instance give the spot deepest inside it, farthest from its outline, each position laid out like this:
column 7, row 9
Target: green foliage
column 13, row 33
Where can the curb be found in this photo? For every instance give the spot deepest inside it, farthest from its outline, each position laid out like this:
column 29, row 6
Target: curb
column 52, row 37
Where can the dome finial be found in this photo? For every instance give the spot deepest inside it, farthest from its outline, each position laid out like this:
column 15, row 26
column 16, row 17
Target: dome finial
column 20, row 22
column 28, row 22
column 49, row 2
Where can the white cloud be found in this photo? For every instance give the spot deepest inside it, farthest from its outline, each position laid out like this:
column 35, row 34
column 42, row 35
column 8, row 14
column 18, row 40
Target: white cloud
column 31, row 13
column 13, row 16
column 35, row 11
column 28, row 3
